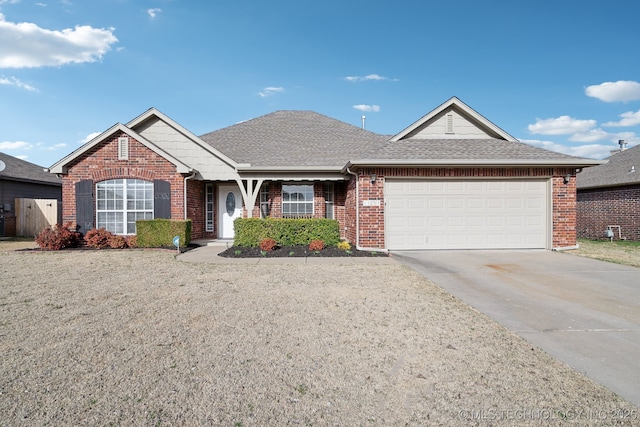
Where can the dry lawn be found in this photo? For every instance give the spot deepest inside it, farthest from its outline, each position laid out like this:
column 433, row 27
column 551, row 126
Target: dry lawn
column 620, row 252
column 139, row 338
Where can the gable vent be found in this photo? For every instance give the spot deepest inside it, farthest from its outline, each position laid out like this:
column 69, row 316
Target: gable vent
column 449, row 123
column 123, row 148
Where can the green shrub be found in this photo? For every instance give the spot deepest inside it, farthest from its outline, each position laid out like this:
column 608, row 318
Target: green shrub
column 286, row 231
column 159, row 233
column 57, row 238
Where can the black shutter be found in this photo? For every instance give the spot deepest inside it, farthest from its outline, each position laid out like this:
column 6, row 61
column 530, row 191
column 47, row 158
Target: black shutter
column 161, row 199
column 84, row 205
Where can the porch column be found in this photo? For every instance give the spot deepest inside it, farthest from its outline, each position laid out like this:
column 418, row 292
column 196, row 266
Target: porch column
column 250, row 189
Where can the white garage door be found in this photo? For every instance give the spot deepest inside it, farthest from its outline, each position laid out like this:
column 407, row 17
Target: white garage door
column 473, row 214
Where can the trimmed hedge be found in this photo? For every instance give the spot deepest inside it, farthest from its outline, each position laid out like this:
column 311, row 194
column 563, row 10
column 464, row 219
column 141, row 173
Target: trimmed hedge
column 158, row 233
column 286, row 231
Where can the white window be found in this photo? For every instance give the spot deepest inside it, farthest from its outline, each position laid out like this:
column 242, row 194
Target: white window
column 123, row 148
column 264, row 201
column 297, row 200
column 209, row 207
column 328, row 200
column 121, row 202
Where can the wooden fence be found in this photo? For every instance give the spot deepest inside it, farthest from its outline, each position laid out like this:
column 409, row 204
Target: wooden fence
column 34, row 215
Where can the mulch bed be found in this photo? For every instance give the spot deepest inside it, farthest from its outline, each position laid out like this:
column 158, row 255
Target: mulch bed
column 295, row 251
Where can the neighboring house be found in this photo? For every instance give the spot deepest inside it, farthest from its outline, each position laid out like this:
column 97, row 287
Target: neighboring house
column 609, row 197
column 451, row 180
column 23, row 180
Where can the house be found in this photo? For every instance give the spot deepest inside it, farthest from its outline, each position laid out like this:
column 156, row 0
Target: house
column 20, row 179
column 609, row 197
column 450, row 180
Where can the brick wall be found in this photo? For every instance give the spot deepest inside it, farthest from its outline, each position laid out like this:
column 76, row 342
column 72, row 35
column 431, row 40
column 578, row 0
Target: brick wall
column 371, row 224
column 101, row 163
column 319, row 206
column 599, row 208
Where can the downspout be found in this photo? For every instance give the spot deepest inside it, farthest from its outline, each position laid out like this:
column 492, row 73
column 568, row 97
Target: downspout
column 184, row 194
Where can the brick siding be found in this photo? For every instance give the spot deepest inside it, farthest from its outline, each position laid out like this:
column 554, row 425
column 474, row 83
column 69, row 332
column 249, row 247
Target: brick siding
column 101, row 163
column 601, row 207
column 371, row 224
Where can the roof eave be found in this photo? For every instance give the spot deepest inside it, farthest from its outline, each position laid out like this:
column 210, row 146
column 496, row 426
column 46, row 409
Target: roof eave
column 249, row 168
column 578, row 163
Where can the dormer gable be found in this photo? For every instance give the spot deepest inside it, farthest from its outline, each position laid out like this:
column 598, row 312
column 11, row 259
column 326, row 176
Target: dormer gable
column 453, row 120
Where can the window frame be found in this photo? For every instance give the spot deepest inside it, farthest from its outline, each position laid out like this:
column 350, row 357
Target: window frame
column 329, row 200
column 307, row 204
column 209, row 204
column 114, row 213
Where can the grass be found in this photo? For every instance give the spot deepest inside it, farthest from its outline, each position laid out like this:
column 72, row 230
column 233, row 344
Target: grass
column 623, row 252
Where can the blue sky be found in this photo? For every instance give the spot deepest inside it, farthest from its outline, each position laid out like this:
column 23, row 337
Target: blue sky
column 559, row 74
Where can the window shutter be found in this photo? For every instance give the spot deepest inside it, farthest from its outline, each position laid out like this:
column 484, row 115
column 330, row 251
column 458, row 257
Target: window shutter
column 161, row 199
column 84, row 205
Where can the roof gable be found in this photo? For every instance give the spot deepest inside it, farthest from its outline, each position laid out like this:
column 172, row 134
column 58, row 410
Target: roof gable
column 141, row 122
column 452, row 120
column 61, row 165
column 622, row 168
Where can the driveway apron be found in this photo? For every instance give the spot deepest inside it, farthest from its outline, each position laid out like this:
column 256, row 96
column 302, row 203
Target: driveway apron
column 584, row 312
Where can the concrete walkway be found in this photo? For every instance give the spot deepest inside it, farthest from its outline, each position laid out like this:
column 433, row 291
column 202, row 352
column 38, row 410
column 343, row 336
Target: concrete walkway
column 584, row 312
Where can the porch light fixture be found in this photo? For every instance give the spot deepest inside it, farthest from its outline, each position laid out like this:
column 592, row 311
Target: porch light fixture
column 567, row 178
column 373, row 178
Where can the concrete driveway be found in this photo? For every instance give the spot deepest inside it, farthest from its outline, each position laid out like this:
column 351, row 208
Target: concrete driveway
column 584, row 312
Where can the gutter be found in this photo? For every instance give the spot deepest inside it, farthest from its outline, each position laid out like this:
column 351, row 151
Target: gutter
column 462, row 163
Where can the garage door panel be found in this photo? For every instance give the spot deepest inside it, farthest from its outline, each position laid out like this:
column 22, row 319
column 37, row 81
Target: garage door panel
column 472, row 214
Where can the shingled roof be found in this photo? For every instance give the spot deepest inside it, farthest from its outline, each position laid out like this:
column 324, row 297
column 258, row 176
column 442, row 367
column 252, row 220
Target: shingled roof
column 299, row 139
column 496, row 151
column 290, row 139
column 622, row 168
column 21, row 170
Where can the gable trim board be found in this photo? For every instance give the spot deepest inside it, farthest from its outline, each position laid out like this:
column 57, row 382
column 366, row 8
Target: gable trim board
column 307, row 147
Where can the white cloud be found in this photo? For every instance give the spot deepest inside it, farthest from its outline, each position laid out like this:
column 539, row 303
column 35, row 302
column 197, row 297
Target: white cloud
column 25, row 45
column 15, row 145
column 628, row 119
column 592, row 151
column 591, row 135
column 562, row 125
column 153, row 12
column 367, row 108
column 12, row 81
column 9, row 1
column 88, row 138
column 622, row 90
column 270, row 90
column 368, row 77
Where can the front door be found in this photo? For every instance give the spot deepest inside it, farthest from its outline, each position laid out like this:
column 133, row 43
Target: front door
column 229, row 208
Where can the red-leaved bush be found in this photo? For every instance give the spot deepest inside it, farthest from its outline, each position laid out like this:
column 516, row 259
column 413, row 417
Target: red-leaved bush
column 132, row 241
column 98, row 238
column 267, row 244
column 57, row 238
column 316, row 245
column 117, row 242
